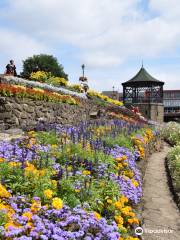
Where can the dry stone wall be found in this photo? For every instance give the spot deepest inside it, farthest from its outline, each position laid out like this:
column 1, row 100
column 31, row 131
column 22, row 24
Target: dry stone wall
column 26, row 113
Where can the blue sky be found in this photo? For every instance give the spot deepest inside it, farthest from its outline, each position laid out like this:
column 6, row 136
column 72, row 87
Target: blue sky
column 111, row 37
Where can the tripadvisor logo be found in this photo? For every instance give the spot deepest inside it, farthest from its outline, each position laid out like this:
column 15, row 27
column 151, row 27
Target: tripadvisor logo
column 138, row 231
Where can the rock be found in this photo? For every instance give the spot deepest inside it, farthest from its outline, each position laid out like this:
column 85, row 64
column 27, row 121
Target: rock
column 23, row 115
column 16, row 113
column 95, row 114
column 30, row 109
column 2, row 109
column 5, row 115
column 18, row 107
column 2, row 100
column 39, row 114
column 11, row 120
column 14, row 131
column 7, row 107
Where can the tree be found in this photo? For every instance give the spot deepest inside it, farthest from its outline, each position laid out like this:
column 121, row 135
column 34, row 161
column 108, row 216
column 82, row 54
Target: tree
column 43, row 62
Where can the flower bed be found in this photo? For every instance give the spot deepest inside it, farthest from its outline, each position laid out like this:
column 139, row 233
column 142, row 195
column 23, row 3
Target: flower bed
column 34, row 93
column 47, row 77
column 70, row 183
column 173, row 166
column 92, row 93
column 171, row 134
column 35, row 84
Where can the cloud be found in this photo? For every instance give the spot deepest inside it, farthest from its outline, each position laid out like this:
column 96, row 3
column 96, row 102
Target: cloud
column 103, row 30
column 105, row 33
column 14, row 45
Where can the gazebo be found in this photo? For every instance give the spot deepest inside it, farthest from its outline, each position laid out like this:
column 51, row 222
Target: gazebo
column 145, row 92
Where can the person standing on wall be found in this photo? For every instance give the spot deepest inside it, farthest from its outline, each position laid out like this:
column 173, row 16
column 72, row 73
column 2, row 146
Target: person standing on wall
column 11, row 69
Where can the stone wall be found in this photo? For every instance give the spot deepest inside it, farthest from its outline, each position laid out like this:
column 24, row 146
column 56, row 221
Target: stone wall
column 26, row 113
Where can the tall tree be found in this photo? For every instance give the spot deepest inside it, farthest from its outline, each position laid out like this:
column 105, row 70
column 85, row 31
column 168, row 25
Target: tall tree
column 43, row 62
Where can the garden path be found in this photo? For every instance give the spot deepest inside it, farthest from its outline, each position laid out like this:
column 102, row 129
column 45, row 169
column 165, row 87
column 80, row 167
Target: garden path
column 160, row 210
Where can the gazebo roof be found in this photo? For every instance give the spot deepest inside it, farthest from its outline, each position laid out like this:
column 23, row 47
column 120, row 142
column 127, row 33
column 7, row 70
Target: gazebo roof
column 142, row 78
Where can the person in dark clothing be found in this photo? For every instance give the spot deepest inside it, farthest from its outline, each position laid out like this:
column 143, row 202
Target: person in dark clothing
column 11, row 69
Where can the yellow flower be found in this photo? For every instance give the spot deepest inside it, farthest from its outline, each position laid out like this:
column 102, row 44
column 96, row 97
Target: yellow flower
column 125, row 164
column 119, row 220
column 54, row 146
column 135, row 220
column 124, row 157
column 130, row 221
column 48, row 193
column 97, row 215
column 135, row 183
column 86, row 172
column 132, row 238
column 123, row 199
column 57, row 203
column 9, row 225
column 125, row 211
column 54, row 183
column 77, row 190
column 118, row 205
column 109, row 201
column 3, row 192
column 69, row 168
column 28, row 215
column 132, row 214
column 36, row 206
column 7, row 209
column 120, row 165
column 2, row 160
column 41, row 172
column 30, row 224
column 14, row 164
column 118, row 159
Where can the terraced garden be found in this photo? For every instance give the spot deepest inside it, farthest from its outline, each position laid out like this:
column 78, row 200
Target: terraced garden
column 73, row 182
column 81, row 181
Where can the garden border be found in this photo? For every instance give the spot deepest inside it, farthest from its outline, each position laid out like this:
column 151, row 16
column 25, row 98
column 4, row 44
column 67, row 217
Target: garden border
column 176, row 196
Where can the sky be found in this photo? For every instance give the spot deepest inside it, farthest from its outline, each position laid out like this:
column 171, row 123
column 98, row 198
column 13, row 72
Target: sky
column 111, row 37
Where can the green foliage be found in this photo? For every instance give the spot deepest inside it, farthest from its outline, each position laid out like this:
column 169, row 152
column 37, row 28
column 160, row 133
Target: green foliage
column 19, row 182
column 174, row 166
column 57, row 81
column 46, row 138
column 92, row 192
column 3, row 219
column 43, row 62
column 75, row 88
column 83, row 153
column 101, row 191
column 171, row 132
column 67, row 192
column 100, row 102
column 120, row 140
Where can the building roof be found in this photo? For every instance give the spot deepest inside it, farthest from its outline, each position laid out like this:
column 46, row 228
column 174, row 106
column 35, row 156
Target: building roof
column 109, row 92
column 171, row 91
column 143, row 77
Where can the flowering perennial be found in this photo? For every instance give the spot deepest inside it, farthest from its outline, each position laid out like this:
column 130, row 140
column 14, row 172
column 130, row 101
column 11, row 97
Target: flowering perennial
column 68, row 183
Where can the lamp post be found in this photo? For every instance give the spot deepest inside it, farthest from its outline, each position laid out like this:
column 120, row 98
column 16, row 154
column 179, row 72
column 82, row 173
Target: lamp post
column 83, row 67
column 83, row 80
column 113, row 92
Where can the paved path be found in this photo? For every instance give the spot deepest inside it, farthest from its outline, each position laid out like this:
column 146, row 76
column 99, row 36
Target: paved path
column 160, row 212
